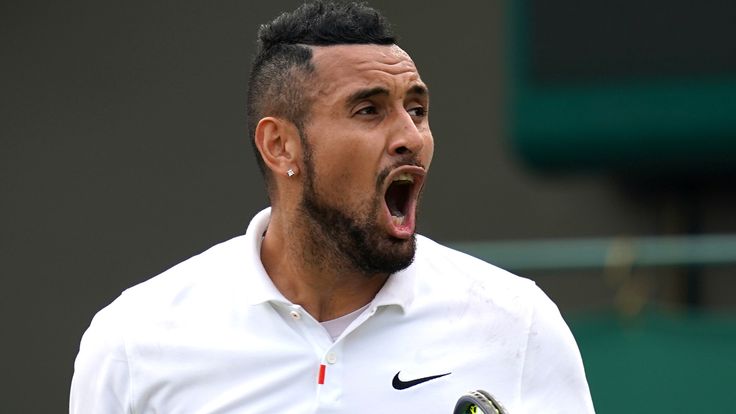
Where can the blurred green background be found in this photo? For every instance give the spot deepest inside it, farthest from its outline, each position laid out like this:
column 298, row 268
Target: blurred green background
column 587, row 145
column 659, row 362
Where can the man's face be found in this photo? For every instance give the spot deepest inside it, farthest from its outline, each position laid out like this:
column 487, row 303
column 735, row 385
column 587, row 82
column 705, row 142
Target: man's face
column 368, row 146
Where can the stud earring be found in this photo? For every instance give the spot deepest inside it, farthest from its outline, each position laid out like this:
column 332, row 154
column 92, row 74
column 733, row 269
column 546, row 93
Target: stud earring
column 290, row 173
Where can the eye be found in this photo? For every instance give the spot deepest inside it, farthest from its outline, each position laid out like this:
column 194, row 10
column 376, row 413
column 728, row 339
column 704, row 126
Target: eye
column 367, row 110
column 418, row 111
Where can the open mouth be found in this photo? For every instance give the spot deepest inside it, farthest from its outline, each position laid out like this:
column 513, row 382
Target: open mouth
column 401, row 199
column 397, row 197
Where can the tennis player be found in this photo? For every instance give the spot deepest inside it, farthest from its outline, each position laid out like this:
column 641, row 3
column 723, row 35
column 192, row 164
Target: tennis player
column 330, row 303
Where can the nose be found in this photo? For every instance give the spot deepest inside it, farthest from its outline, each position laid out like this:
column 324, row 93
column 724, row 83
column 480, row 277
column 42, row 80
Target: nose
column 406, row 138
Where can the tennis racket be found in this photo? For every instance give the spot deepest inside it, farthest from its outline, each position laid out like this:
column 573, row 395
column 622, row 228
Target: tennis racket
column 478, row 402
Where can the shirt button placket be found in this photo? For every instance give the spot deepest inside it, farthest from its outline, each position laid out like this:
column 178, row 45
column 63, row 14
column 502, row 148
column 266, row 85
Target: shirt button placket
column 332, row 389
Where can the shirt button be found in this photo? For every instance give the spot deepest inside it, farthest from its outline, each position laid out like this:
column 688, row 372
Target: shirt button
column 331, row 358
column 295, row 315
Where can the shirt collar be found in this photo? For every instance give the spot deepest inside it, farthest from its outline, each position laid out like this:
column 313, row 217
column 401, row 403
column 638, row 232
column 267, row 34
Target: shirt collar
column 260, row 287
column 398, row 289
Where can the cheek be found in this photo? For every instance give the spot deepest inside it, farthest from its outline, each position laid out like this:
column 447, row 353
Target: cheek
column 344, row 171
column 350, row 157
column 428, row 152
column 340, row 162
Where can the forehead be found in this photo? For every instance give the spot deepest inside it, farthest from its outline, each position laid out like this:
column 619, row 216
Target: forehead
column 343, row 67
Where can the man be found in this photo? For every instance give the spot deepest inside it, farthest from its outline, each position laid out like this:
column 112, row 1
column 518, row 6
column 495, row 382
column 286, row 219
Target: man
column 329, row 302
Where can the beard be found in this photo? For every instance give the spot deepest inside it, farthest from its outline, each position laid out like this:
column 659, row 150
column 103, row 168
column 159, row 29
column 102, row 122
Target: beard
column 347, row 238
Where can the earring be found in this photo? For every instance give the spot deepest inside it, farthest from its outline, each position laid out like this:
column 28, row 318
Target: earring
column 290, row 172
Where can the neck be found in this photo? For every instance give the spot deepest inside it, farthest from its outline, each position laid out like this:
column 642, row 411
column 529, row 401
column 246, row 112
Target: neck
column 308, row 272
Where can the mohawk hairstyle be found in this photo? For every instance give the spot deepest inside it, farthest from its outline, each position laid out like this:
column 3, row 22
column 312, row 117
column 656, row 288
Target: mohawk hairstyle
column 283, row 62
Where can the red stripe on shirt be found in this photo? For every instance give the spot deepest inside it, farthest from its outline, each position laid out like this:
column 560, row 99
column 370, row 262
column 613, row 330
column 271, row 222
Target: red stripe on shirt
column 321, row 379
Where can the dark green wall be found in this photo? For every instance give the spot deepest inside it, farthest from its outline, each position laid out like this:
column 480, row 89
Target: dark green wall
column 659, row 362
column 621, row 87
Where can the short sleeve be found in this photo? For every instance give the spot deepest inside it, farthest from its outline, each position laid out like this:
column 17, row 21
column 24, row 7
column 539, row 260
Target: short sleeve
column 101, row 381
column 553, row 378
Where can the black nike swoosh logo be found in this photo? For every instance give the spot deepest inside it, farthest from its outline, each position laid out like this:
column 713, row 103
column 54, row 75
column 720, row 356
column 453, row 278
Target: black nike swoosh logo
column 402, row 385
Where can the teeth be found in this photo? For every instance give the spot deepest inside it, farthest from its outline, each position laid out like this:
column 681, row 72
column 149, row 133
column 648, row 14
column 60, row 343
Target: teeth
column 398, row 221
column 404, row 177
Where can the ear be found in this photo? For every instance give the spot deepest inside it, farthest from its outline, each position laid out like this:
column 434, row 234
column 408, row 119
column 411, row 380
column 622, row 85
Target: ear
column 279, row 143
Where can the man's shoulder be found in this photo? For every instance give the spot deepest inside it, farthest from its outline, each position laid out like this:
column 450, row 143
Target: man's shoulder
column 447, row 260
column 193, row 280
column 456, row 273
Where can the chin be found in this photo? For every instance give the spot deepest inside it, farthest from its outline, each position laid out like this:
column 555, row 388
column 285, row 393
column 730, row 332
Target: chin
column 385, row 257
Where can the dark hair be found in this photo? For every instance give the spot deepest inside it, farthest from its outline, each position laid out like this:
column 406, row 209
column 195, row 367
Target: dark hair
column 283, row 61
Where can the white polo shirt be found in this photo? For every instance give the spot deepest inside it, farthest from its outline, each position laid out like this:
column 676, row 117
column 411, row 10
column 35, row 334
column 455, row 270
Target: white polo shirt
column 214, row 335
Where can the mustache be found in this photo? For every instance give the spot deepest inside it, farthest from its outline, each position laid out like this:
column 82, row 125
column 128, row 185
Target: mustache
column 413, row 161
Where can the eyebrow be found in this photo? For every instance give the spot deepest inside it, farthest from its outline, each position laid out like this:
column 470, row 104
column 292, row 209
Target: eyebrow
column 420, row 90
column 365, row 94
column 362, row 94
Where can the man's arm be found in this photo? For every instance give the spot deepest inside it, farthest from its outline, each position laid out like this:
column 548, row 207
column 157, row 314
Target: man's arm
column 101, row 382
column 553, row 379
